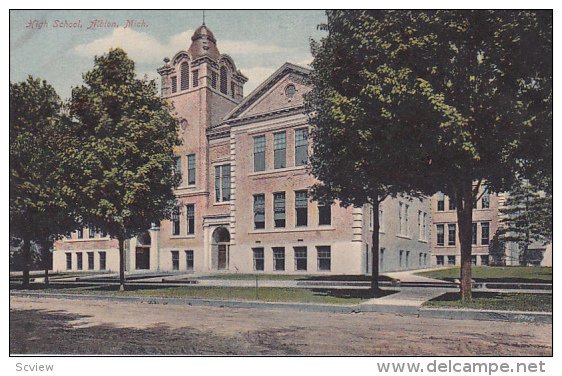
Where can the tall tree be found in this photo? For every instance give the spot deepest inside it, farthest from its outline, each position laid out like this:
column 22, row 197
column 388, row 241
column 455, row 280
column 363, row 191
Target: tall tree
column 482, row 85
column 39, row 210
column 527, row 218
column 364, row 153
column 120, row 151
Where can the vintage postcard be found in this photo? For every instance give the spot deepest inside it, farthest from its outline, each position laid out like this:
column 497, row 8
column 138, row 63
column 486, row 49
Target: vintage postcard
column 282, row 183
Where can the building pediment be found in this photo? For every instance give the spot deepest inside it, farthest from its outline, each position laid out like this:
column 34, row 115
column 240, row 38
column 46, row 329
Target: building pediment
column 283, row 90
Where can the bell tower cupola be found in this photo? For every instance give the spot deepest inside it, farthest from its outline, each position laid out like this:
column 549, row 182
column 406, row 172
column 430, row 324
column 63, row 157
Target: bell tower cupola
column 202, row 66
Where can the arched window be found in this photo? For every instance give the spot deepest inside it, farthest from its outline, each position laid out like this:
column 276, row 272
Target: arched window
column 224, row 80
column 184, row 69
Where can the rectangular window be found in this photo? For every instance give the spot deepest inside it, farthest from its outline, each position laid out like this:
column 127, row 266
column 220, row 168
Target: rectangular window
column 401, row 258
column 190, row 214
column 259, row 153
column 440, row 235
column 91, row 232
column 258, row 259
column 80, row 233
column 420, row 225
column 474, row 232
column 79, row 261
column 177, row 167
column 400, row 221
column 191, row 169
column 381, row 259
column 406, row 220
column 195, row 75
column 452, row 234
column 425, row 258
column 473, row 260
column 301, row 208
column 103, row 233
column 279, row 150
column 452, row 203
column 485, row 260
column 90, row 260
column 420, row 259
column 278, row 258
column 174, row 84
column 189, row 260
column 301, row 260
column 175, row 260
column 486, row 198
column 232, row 89
column 440, row 201
column 451, row 260
column 440, row 260
column 222, row 183
column 324, row 258
column 259, row 211
column 176, row 221
column 184, row 79
column 214, row 79
column 68, row 261
column 407, row 259
column 103, row 260
column 381, row 221
column 301, row 147
column 324, row 214
column 424, row 226
column 485, row 239
column 279, row 209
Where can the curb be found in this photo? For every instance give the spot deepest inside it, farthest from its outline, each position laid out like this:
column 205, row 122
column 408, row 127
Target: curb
column 308, row 307
column 451, row 314
column 487, row 315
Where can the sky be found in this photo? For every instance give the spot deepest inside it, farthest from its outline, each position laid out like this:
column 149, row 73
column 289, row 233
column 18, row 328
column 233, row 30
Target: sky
column 258, row 41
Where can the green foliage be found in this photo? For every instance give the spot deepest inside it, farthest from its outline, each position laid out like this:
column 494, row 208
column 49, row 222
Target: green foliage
column 471, row 91
column 496, row 249
column 427, row 101
column 119, row 149
column 527, row 218
column 39, row 209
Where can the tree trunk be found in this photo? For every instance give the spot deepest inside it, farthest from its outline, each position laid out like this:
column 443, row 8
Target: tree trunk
column 465, row 199
column 46, row 249
column 26, row 258
column 121, row 263
column 375, row 250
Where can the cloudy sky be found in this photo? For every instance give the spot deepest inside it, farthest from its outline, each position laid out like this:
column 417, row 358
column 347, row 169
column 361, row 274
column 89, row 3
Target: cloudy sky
column 258, row 41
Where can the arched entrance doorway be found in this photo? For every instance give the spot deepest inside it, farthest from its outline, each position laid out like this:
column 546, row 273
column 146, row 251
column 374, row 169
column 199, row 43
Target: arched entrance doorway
column 142, row 251
column 220, row 248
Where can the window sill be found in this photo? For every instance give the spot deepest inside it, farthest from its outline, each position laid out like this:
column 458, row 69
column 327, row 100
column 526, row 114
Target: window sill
column 422, row 240
column 85, row 240
column 403, row 236
column 277, row 170
column 221, row 203
column 297, row 229
column 182, row 236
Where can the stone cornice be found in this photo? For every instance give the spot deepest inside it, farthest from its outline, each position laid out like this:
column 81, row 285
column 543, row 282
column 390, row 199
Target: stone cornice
column 223, row 129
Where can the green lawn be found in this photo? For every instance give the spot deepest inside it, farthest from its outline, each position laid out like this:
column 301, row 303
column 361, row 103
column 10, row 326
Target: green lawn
column 495, row 301
column 496, row 274
column 266, row 294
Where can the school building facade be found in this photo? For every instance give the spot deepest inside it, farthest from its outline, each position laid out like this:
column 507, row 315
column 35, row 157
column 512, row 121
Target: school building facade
column 243, row 203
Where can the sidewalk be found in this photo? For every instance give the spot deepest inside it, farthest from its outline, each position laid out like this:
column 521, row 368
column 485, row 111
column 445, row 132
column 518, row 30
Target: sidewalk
column 409, row 276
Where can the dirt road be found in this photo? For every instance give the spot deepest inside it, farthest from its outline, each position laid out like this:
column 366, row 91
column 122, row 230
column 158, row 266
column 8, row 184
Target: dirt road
column 46, row 326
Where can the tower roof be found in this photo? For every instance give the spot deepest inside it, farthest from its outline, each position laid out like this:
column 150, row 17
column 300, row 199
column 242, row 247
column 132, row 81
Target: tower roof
column 203, row 43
